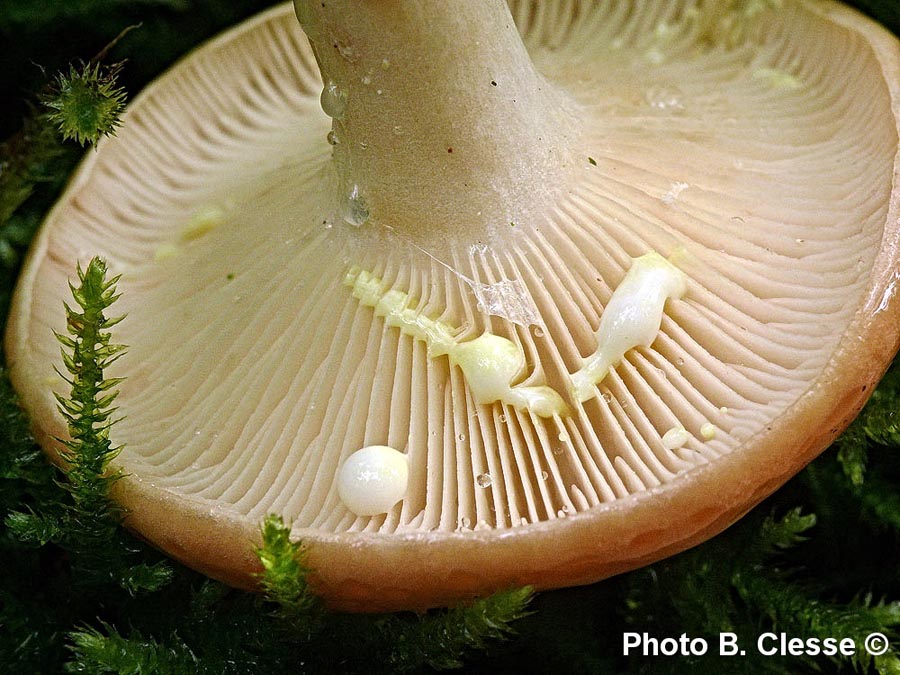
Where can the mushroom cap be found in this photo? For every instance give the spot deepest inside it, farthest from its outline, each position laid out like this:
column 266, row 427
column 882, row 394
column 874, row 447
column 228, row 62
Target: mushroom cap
column 761, row 145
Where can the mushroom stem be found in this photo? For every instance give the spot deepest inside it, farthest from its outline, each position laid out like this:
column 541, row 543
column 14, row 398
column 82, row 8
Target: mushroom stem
column 441, row 123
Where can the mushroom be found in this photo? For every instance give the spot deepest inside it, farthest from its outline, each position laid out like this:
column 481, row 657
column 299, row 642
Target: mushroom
column 444, row 278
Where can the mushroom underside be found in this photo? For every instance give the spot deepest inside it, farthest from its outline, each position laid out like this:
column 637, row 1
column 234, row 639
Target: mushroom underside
column 757, row 147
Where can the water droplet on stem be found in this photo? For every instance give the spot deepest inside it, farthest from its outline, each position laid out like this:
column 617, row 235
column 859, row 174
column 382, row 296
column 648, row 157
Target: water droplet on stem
column 333, row 100
column 356, row 210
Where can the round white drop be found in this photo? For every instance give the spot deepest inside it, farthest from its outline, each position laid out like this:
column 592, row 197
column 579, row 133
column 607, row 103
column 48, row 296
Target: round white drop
column 675, row 438
column 373, row 479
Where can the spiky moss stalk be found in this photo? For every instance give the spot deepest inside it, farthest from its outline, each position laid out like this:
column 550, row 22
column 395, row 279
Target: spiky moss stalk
column 403, row 642
column 87, row 352
column 441, row 123
column 86, row 102
column 84, row 105
column 87, row 522
column 284, row 575
column 95, row 652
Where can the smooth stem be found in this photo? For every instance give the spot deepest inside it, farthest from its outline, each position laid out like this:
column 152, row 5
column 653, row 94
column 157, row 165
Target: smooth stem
column 441, row 122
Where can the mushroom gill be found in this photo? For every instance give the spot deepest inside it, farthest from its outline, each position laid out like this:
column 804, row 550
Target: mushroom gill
column 752, row 144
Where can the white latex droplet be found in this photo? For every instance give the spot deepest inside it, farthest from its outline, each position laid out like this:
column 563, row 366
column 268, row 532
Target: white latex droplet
column 489, row 363
column 632, row 318
column 373, row 479
column 675, row 438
